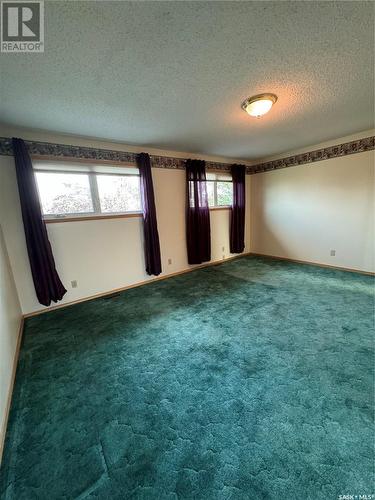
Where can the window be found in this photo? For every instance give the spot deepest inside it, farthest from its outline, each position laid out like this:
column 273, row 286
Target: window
column 84, row 190
column 219, row 189
column 119, row 193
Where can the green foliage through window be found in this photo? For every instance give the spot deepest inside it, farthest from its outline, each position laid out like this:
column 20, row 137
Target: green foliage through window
column 219, row 189
column 90, row 192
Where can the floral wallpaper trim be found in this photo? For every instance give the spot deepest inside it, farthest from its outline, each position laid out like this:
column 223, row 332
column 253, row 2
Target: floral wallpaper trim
column 347, row 148
column 68, row 151
column 81, row 152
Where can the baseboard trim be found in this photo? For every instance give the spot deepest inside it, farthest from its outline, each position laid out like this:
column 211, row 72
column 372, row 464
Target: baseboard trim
column 135, row 285
column 11, row 387
column 317, row 264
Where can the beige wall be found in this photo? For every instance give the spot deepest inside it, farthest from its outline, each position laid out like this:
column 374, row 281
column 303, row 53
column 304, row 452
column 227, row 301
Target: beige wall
column 10, row 320
column 103, row 255
column 305, row 212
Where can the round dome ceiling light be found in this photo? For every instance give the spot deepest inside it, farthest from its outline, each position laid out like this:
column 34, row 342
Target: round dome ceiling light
column 259, row 105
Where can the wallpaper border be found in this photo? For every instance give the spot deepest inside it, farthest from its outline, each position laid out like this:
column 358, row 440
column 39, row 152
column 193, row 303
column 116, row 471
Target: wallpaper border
column 347, row 148
column 81, row 152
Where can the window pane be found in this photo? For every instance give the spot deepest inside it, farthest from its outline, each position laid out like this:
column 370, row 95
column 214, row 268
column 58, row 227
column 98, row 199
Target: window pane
column 119, row 193
column 64, row 193
column 211, row 193
column 210, row 176
column 224, row 193
column 224, row 177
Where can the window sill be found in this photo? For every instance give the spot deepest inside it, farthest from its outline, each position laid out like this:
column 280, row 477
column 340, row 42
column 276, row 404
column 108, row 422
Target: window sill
column 92, row 217
column 109, row 216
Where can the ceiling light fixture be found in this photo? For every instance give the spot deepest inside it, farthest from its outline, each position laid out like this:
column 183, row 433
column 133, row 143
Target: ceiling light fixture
column 259, row 105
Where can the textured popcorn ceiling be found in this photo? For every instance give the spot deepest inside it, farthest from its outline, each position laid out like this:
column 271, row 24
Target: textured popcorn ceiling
column 173, row 74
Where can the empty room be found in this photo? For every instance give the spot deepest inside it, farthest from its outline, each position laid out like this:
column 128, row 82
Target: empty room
column 187, row 250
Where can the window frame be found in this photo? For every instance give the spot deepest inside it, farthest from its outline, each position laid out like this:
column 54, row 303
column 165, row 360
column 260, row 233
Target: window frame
column 216, row 206
column 96, row 213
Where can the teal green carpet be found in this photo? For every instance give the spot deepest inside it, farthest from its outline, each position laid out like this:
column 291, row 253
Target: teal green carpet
column 249, row 380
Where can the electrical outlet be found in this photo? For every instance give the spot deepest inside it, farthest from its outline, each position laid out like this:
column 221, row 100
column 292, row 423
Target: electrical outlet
column 169, row 262
column 333, row 253
column 74, row 283
column 223, row 249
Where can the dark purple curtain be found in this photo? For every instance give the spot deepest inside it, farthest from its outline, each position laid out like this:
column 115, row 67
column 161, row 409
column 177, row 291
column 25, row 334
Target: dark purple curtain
column 150, row 226
column 198, row 233
column 48, row 286
column 237, row 226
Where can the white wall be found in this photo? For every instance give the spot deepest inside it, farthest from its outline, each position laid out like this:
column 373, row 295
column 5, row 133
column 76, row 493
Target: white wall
column 10, row 320
column 103, row 255
column 304, row 212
